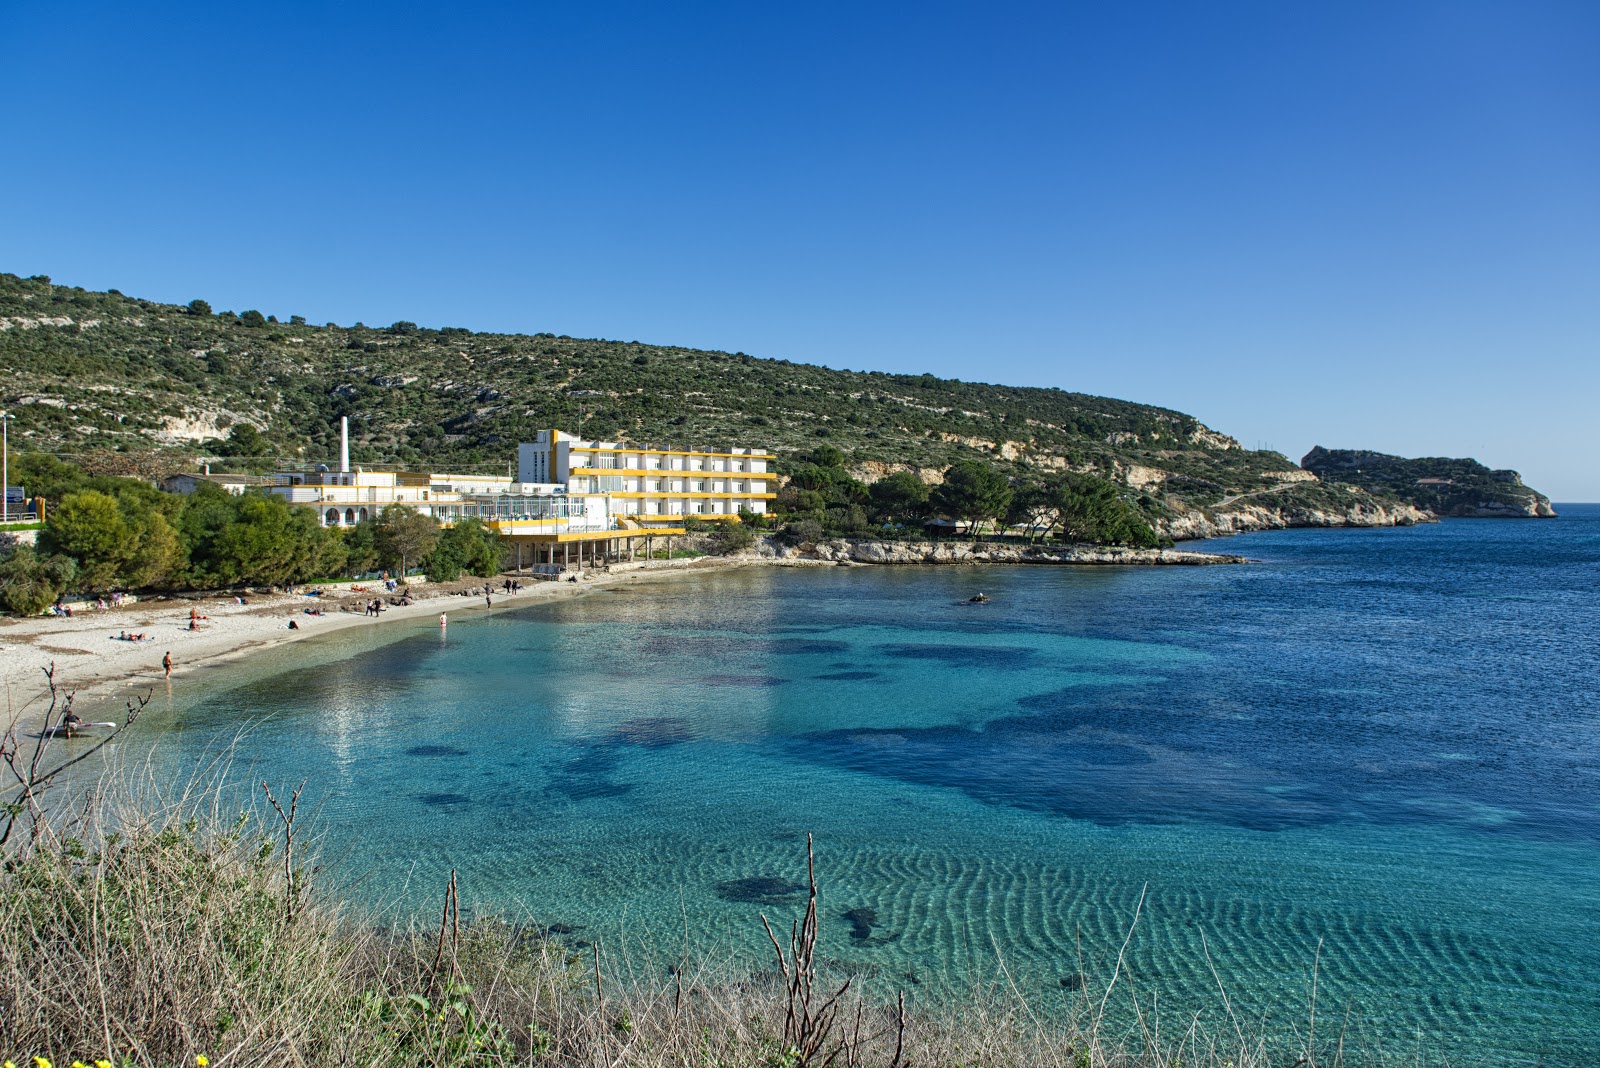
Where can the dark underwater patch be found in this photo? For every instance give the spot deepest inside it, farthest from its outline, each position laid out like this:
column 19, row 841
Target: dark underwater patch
column 861, row 920
column 741, row 680
column 653, row 732
column 435, row 751
column 760, row 890
column 848, row 676
column 986, row 657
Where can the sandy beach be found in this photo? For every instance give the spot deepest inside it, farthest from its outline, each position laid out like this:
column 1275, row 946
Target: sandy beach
column 90, row 660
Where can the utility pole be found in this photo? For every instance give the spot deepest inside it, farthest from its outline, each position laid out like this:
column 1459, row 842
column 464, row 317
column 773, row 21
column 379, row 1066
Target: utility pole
column 5, row 466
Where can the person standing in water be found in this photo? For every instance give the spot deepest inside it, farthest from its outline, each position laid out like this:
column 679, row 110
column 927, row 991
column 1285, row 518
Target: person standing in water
column 442, row 621
column 166, row 664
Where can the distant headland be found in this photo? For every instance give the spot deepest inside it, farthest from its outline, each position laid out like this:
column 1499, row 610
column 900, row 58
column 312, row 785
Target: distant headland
column 1452, row 488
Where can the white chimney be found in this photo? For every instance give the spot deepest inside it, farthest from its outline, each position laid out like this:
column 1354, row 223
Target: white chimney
column 344, row 444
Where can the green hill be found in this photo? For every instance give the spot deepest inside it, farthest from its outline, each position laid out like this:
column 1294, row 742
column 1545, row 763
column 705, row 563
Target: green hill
column 149, row 384
column 1442, row 485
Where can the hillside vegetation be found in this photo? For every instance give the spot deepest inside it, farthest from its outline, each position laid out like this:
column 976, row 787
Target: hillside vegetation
column 1443, row 485
column 88, row 372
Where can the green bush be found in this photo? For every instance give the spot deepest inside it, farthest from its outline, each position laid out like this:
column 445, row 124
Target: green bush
column 30, row 583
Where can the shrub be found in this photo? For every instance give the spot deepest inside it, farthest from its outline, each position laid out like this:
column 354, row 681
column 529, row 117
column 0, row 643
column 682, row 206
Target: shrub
column 732, row 538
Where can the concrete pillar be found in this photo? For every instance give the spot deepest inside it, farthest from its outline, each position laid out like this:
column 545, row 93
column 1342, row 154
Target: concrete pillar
column 566, row 554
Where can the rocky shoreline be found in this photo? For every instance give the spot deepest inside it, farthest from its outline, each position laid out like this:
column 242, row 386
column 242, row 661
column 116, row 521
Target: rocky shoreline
column 847, row 551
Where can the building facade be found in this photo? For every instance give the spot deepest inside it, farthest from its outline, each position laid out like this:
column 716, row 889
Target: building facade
column 653, row 485
column 344, row 498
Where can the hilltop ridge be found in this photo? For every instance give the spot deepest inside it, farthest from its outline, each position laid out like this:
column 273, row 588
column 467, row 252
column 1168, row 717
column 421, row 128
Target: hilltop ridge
column 145, row 384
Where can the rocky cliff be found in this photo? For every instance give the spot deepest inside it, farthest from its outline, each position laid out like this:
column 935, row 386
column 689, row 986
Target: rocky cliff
column 1446, row 486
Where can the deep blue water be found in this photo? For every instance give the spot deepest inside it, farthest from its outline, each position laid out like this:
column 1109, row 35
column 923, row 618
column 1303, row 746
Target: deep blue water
column 1380, row 742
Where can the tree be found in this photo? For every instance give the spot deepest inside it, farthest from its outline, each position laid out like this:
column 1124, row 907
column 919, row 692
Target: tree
column 45, row 476
column 30, row 583
column 1036, row 508
column 1092, row 509
column 901, row 495
column 119, row 542
column 252, row 318
column 470, row 545
column 245, row 440
column 259, row 546
column 402, row 327
column 731, row 538
column 361, row 547
column 89, row 527
column 974, row 491
column 199, row 307
column 404, row 535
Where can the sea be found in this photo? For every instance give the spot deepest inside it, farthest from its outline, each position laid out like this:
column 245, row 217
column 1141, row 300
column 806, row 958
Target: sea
column 1355, row 781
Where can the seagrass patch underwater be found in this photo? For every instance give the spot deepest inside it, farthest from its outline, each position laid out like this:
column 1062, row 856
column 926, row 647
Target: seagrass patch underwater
column 1378, row 742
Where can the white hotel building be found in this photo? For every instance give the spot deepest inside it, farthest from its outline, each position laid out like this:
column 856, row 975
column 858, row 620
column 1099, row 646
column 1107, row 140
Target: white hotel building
column 652, row 485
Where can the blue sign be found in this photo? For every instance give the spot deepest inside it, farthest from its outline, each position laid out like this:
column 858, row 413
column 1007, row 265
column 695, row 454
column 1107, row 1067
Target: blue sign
column 16, row 495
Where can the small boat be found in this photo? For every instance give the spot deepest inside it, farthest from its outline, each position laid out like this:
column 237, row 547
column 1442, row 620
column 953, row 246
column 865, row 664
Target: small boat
column 62, row 730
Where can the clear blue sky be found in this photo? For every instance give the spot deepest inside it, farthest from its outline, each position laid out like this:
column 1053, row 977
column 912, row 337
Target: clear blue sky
column 1340, row 223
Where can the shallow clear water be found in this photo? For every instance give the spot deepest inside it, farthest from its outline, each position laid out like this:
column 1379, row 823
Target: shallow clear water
column 1382, row 742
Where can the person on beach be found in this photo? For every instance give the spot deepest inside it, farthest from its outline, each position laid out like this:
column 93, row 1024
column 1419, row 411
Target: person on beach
column 487, row 603
column 442, row 621
column 293, row 625
column 70, row 724
column 166, row 664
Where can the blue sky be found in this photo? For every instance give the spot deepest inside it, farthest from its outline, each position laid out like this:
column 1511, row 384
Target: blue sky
column 1350, row 224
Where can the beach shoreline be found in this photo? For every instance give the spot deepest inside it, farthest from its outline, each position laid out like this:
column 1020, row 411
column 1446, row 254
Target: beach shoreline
column 96, row 667
column 100, row 670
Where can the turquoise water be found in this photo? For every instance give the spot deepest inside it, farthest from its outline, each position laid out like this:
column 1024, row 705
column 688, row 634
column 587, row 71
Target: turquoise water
column 1381, row 743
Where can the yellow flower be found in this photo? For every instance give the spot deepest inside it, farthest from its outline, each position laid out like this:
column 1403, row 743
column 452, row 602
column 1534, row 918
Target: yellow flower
column 79, row 1064
column 102, row 1064
column 201, row 1060
column 40, row 1062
